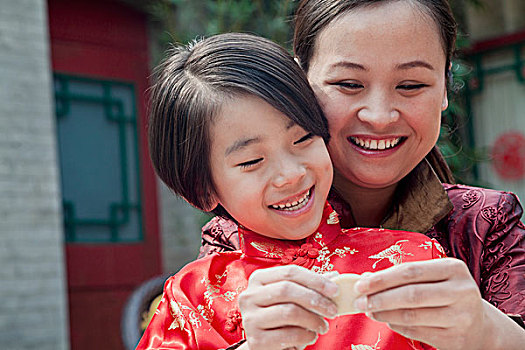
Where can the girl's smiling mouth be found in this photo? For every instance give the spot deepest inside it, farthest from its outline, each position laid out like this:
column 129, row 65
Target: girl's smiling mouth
column 295, row 204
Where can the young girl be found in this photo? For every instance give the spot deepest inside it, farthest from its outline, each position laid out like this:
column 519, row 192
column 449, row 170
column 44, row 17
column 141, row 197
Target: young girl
column 235, row 129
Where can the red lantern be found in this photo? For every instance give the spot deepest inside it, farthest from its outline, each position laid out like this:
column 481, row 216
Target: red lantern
column 508, row 155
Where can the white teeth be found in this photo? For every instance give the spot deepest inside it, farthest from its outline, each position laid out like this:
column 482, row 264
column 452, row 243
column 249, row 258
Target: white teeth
column 295, row 205
column 375, row 144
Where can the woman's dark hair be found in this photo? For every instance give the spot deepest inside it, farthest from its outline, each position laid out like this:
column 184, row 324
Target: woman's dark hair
column 192, row 84
column 312, row 16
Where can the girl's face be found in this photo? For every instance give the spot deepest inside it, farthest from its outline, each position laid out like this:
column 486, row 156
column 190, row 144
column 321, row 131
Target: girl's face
column 270, row 174
column 379, row 75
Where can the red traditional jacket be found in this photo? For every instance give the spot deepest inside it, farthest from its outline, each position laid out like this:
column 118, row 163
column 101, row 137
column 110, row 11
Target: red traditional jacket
column 480, row 226
column 199, row 308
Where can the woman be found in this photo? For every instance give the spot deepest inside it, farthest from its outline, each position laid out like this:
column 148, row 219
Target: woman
column 379, row 70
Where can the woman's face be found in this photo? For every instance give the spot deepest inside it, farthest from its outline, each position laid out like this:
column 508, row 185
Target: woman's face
column 378, row 73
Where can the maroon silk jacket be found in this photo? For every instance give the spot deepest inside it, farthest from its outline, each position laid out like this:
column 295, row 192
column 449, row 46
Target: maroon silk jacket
column 482, row 227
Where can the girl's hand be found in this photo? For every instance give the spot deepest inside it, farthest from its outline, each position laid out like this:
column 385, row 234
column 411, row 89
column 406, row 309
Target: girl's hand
column 438, row 303
column 285, row 306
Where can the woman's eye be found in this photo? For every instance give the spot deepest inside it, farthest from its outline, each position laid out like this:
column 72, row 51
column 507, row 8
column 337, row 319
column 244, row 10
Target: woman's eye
column 304, row 138
column 411, row 87
column 250, row 163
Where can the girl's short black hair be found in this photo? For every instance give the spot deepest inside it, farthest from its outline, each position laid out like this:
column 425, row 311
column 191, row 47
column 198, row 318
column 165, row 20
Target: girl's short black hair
column 191, row 85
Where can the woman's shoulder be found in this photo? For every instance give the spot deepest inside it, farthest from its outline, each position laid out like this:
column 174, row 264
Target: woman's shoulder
column 482, row 214
column 486, row 231
column 465, row 197
column 219, row 235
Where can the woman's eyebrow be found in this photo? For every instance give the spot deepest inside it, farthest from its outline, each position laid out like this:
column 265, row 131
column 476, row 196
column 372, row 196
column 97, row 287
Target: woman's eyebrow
column 415, row 64
column 241, row 143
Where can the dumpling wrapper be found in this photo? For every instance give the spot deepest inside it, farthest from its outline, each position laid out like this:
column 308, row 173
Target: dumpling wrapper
column 347, row 295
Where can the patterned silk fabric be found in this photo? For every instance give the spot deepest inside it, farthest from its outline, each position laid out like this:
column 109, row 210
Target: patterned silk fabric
column 482, row 227
column 199, row 308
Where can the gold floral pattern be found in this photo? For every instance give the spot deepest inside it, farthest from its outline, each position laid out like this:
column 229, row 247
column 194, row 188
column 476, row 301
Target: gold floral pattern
column 368, row 347
column 270, row 250
column 333, row 218
column 179, row 321
column 325, row 255
column 394, row 254
column 213, row 291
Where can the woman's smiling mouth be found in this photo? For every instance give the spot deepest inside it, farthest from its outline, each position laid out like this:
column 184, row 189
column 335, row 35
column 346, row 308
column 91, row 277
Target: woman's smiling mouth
column 375, row 144
column 295, row 204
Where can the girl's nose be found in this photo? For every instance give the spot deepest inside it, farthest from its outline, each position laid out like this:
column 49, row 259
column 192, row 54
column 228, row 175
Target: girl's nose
column 288, row 172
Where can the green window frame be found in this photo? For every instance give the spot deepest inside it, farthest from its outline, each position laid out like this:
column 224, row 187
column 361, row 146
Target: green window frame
column 90, row 113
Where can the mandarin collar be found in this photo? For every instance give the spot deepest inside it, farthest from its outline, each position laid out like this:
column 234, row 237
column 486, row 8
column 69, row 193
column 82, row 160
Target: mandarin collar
column 420, row 202
column 256, row 245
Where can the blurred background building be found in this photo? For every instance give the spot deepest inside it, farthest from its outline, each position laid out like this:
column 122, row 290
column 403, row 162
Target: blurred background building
column 83, row 218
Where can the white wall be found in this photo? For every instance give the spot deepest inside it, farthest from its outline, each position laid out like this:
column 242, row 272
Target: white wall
column 180, row 230
column 33, row 307
column 495, row 18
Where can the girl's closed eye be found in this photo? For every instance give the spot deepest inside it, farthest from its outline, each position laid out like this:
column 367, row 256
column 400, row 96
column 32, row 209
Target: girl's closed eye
column 349, row 85
column 305, row 138
column 250, row 164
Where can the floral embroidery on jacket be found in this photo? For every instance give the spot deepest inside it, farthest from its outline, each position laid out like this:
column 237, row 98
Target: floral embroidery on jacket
column 434, row 244
column 333, row 218
column 470, row 198
column 270, row 250
column 213, row 291
column 179, row 321
column 205, row 312
column 394, row 254
column 368, row 347
column 489, row 213
column 325, row 255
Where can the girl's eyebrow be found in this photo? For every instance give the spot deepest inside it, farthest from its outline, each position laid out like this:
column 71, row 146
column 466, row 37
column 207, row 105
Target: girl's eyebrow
column 347, row 64
column 241, row 143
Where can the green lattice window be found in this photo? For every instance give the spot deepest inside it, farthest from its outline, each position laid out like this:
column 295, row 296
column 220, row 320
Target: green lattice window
column 98, row 151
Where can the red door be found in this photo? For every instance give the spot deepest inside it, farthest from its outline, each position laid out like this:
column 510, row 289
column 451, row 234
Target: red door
column 99, row 54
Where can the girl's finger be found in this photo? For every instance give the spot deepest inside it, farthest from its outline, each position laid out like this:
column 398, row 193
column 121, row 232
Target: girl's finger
column 297, row 274
column 287, row 292
column 282, row 315
column 282, row 338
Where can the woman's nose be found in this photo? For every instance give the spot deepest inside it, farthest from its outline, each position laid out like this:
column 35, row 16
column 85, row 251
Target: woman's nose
column 288, row 172
column 378, row 111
